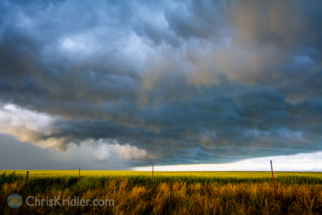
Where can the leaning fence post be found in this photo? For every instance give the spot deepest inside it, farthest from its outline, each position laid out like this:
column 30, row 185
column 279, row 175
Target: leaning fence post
column 273, row 180
column 79, row 174
column 27, row 176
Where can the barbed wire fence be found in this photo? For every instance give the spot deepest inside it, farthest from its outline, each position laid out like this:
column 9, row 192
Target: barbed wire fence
column 152, row 168
column 132, row 167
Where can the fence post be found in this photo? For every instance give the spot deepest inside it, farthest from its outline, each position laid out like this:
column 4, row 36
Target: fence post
column 153, row 176
column 273, row 180
column 79, row 174
column 27, row 176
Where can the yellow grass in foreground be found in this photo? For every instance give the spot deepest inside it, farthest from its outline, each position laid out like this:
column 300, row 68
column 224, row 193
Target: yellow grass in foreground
column 181, row 198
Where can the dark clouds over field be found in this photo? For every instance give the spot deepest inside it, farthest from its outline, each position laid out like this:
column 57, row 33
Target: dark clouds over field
column 173, row 81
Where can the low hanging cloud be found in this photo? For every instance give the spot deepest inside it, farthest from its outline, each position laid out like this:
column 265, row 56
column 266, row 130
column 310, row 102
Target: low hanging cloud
column 29, row 126
column 179, row 82
column 103, row 148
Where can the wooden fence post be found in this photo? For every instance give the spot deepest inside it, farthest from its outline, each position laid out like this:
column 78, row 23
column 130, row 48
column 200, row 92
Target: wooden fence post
column 273, row 180
column 79, row 174
column 27, row 176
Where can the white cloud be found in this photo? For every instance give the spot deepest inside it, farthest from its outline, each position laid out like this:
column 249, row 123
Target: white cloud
column 104, row 147
column 24, row 124
column 101, row 153
column 13, row 117
column 30, row 126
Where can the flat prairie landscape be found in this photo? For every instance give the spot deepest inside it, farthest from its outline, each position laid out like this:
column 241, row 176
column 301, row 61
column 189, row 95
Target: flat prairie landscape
column 209, row 93
column 173, row 192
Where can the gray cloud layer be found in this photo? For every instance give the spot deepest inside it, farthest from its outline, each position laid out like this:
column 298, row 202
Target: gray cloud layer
column 184, row 81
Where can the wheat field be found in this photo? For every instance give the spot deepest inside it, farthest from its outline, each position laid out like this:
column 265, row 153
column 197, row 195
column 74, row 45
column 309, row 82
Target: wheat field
column 174, row 192
column 194, row 174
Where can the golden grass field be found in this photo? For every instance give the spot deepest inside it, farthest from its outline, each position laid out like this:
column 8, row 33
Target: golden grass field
column 174, row 192
column 55, row 173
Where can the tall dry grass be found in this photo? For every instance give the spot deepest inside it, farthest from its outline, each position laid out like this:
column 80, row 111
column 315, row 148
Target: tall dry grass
column 172, row 198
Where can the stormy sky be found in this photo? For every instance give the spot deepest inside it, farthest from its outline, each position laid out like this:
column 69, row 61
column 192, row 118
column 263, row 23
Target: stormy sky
column 173, row 82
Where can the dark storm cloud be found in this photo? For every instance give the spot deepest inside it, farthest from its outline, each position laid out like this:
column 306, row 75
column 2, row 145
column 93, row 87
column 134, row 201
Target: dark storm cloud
column 184, row 81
